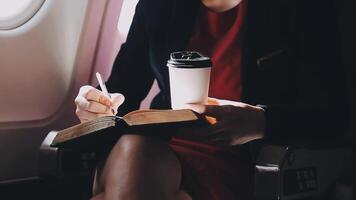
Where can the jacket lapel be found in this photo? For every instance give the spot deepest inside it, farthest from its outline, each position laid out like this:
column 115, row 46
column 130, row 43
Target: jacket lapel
column 268, row 25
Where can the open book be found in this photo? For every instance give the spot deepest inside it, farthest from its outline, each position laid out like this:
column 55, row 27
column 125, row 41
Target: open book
column 105, row 131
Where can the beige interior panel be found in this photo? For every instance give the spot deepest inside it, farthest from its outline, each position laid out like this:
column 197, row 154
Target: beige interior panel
column 43, row 63
column 37, row 61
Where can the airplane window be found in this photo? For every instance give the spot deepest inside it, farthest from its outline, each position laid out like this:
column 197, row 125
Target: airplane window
column 126, row 15
column 14, row 13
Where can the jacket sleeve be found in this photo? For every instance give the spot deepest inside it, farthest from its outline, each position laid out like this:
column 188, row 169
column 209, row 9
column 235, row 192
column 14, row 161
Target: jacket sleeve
column 131, row 74
column 319, row 112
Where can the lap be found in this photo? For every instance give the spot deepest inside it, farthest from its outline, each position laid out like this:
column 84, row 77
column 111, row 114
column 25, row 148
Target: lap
column 208, row 172
column 213, row 173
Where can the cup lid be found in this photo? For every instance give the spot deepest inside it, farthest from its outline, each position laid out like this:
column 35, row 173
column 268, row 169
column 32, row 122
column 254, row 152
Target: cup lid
column 189, row 59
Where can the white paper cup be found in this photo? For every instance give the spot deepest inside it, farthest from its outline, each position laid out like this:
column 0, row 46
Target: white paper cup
column 189, row 77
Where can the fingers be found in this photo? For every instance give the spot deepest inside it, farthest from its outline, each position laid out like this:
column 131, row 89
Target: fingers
column 99, row 108
column 213, row 101
column 223, row 102
column 92, row 103
column 199, row 108
column 93, row 100
column 210, row 110
column 218, row 112
column 85, row 116
column 81, row 102
column 98, row 96
column 117, row 100
column 88, row 93
column 91, row 106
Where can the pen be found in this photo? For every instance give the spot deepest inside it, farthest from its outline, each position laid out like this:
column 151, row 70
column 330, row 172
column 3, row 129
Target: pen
column 102, row 85
column 103, row 88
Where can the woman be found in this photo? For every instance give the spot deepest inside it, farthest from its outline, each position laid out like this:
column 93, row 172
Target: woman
column 270, row 53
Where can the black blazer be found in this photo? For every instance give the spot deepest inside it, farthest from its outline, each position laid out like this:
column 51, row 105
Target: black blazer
column 291, row 63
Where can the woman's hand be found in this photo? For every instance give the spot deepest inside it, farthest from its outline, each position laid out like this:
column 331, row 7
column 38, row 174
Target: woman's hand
column 236, row 122
column 92, row 103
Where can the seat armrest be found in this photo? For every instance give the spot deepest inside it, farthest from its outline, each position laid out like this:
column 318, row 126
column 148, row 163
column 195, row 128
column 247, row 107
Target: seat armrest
column 48, row 157
column 63, row 163
column 297, row 172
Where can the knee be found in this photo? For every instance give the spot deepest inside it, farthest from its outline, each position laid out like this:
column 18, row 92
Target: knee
column 142, row 160
column 133, row 144
column 137, row 145
column 128, row 151
column 148, row 154
column 152, row 153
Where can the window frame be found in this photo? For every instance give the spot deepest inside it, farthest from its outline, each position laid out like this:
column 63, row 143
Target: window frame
column 22, row 16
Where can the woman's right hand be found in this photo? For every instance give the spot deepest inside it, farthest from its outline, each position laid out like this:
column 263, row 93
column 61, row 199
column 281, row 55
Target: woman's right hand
column 92, row 103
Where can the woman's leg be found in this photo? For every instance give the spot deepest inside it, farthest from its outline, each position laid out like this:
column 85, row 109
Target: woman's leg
column 138, row 168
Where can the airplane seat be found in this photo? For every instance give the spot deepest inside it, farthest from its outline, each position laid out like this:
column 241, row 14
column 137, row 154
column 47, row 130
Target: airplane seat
column 68, row 173
column 304, row 172
column 281, row 172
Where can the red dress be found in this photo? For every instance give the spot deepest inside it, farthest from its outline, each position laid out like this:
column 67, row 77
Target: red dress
column 212, row 172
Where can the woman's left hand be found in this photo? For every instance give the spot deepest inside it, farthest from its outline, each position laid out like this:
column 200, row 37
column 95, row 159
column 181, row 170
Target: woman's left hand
column 236, row 123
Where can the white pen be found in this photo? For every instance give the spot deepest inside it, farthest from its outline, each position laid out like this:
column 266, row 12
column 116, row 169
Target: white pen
column 103, row 88
column 102, row 85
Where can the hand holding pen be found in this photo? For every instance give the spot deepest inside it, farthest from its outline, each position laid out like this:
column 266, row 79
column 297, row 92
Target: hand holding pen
column 92, row 103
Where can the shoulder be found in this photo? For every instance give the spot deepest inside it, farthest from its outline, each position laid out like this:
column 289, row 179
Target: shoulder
column 151, row 8
column 164, row 8
column 155, row 14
